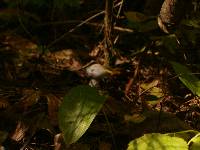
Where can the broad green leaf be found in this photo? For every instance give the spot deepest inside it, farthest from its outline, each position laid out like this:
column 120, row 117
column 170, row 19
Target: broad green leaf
column 76, row 113
column 187, row 78
column 157, row 141
column 194, row 143
column 186, row 135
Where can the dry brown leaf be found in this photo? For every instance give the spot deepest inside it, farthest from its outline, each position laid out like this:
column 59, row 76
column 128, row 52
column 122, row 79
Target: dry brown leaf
column 53, row 104
column 19, row 132
column 18, row 42
column 4, row 103
column 30, row 97
column 64, row 60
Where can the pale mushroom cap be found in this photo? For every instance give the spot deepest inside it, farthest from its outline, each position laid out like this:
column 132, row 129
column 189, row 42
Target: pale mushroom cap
column 96, row 71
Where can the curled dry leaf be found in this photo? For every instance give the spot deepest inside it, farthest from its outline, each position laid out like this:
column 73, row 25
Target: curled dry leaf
column 65, row 59
column 171, row 14
column 19, row 132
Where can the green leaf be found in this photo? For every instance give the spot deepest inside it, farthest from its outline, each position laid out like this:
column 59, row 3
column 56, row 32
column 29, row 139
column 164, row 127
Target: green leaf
column 148, row 26
column 76, row 113
column 152, row 92
column 187, row 78
column 170, row 42
column 157, row 141
column 194, row 143
column 186, row 135
column 191, row 22
column 141, row 22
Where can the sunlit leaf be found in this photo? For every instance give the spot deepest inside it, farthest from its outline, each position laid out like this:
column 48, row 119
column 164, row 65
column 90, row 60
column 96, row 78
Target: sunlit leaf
column 186, row 135
column 147, row 86
column 195, row 142
column 153, row 93
column 76, row 113
column 187, row 78
column 157, row 141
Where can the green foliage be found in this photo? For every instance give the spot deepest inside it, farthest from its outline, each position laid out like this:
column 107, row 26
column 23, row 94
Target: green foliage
column 195, row 142
column 188, row 34
column 170, row 43
column 153, row 92
column 187, row 78
column 192, row 23
column 186, row 135
column 157, row 141
column 140, row 22
column 183, row 140
column 78, row 110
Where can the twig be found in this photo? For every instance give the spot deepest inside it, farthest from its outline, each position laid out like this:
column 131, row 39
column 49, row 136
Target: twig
column 120, row 8
column 73, row 29
column 87, row 23
column 108, row 29
column 77, row 26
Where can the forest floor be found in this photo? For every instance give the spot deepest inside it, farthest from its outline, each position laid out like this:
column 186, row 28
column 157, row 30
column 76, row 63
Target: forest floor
column 39, row 64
